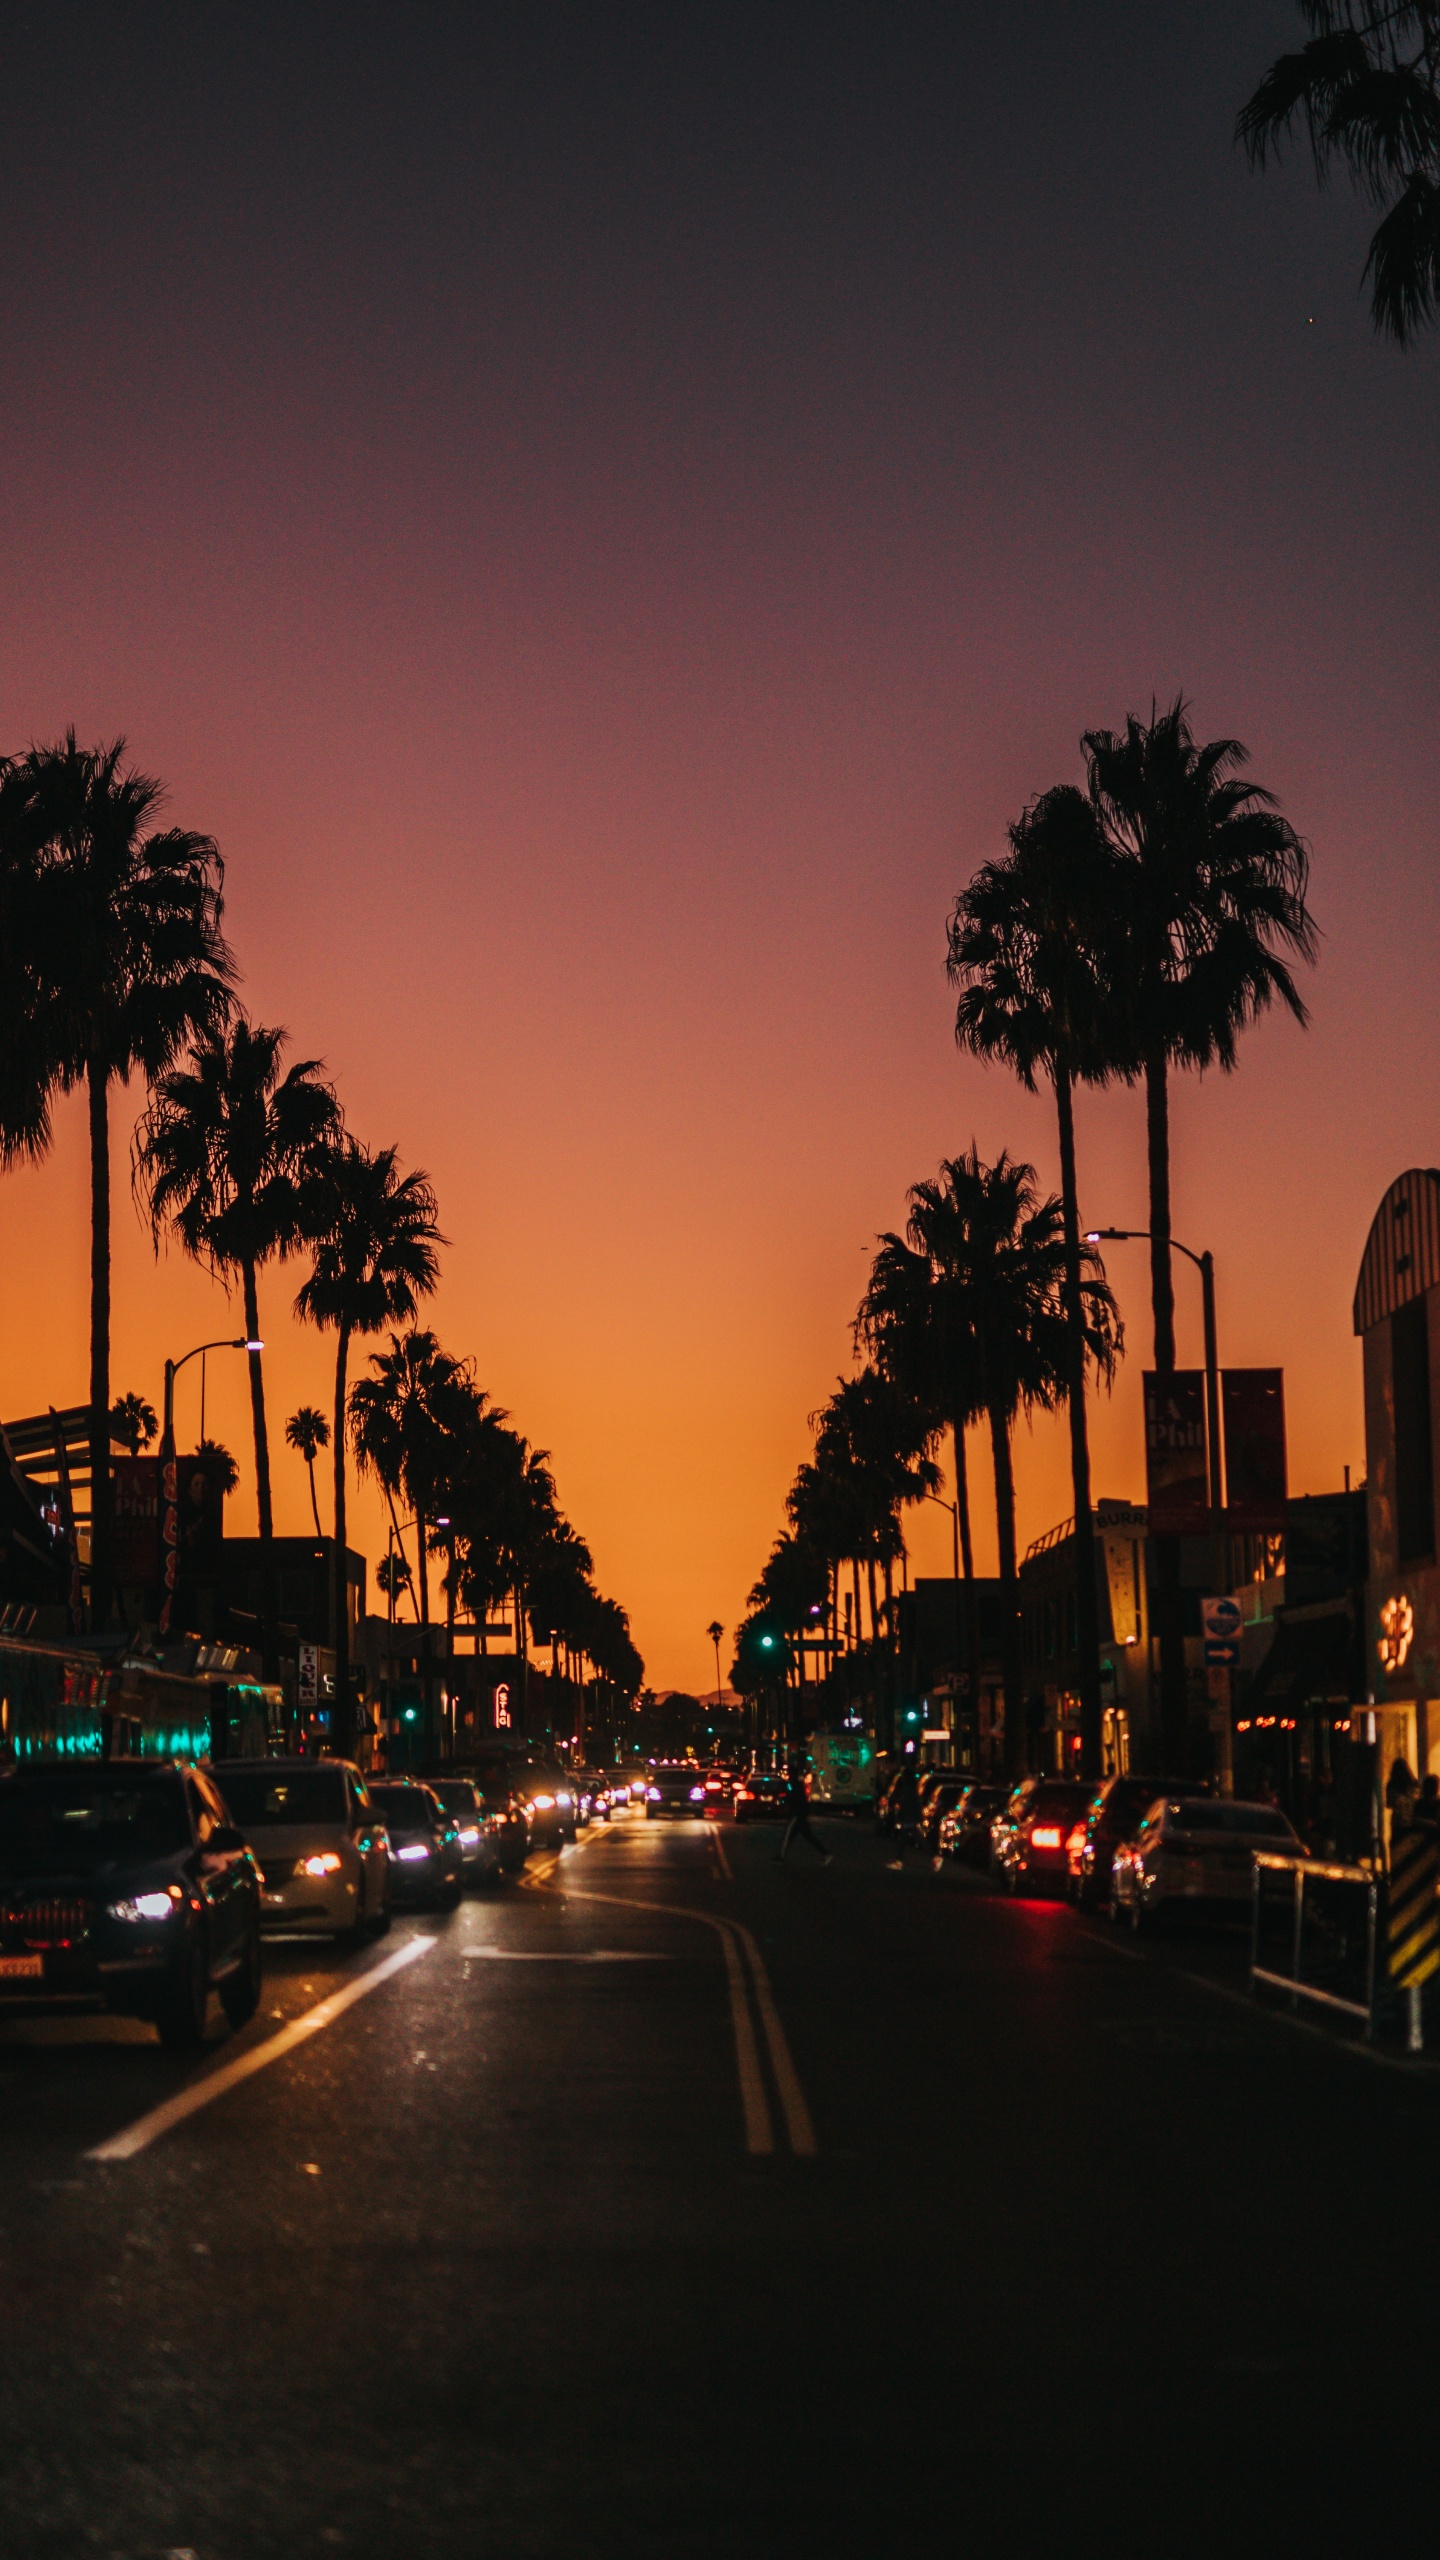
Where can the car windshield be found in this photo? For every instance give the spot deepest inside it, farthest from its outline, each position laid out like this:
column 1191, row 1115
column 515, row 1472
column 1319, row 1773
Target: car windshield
column 456, row 1795
column 265, row 1799
column 85, row 1818
column 403, row 1808
column 1064, row 1797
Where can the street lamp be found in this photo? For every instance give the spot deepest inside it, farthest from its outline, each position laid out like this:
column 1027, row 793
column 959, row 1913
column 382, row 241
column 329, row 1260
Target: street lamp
column 954, row 1510
column 1205, row 1265
column 169, row 1488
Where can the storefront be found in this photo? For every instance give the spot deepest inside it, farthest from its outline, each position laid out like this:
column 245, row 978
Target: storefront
column 1397, row 1316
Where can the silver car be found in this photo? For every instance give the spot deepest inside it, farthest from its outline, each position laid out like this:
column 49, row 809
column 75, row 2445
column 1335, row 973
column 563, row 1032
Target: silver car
column 321, row 1848
column 1194, row 1853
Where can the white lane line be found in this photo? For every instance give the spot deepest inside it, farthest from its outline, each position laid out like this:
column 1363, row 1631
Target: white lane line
column 720, row 1854
column 798, row 2120
column 755, row 2105
column 202, row 2093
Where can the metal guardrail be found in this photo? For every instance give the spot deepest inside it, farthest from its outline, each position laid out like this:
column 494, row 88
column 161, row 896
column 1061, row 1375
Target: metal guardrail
column 1305, row 1871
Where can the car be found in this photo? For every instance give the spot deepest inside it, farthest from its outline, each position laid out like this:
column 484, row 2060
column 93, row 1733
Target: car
column 494, row 1775
column 1196, row 1854
column 758, row 1797
column 128, row 1886
column 965, row 1827
column 937, row 1804
column 1028, row 1835
column 549, row 1796
column 320, row 1847
column 426, row 1863
column 675, row 1787
column 1114, row 1817
column 719, row 1785
column 481, row 1832
column 597, row 1790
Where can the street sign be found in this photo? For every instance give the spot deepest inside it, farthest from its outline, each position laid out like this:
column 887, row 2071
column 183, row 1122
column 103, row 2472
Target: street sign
column 1414, row 1917
column 1221, row 1623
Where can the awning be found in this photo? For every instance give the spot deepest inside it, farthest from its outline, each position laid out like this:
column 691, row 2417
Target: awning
column 1310, row 1663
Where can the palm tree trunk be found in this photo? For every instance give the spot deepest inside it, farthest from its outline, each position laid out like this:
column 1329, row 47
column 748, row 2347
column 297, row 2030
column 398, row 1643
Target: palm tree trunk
column 870, row 1587
column 1174, row 1709
column 1087, row 1607
column 427, row 1667
column 101, row 1540
column 343, row 1725
column 967, row 1566
column 269, row 1609
column 314, row 1503
column 1015, row 1753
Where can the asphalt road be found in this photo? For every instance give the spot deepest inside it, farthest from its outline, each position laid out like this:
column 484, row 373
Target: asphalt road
column 683, row 2204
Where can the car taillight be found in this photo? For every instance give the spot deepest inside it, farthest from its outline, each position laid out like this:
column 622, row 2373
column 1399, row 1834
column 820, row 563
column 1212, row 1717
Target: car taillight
column 1046, row 1835
column 1076, row 1841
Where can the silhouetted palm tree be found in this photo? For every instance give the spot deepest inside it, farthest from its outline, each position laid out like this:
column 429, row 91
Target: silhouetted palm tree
column 402, row 1426
column 1367, row 89
column 221, row 1157
column 1002, row 1248
column 133, row 1423
column 307, row 1431
column 374, row 1240
column 129, row 963
column 1211, row 899
column 29, row 1069
column 1028, row 951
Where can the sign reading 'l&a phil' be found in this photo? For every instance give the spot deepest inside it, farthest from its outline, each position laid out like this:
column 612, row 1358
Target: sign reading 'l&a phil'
column 1177, row 1487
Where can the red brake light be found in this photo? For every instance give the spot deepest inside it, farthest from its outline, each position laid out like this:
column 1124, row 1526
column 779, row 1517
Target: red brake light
column 1076, row 1841
column 1046, row 1835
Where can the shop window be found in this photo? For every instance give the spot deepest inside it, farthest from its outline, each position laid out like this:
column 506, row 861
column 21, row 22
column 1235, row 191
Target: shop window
column 1414, row 1454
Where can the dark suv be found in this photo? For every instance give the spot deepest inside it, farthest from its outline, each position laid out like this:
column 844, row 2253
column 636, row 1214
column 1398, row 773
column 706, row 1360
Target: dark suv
column 127, row 1885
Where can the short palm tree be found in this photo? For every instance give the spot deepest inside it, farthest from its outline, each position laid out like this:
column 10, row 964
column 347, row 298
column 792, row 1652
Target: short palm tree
column 129, row 963
column 402, row 1426
column 1028, row 951
column 1210, row 911
column 308, row 1432
column 374, row 1241
column 1002, row 1249
column 221, row 1157
column 1367, row 90
column 133, row 1423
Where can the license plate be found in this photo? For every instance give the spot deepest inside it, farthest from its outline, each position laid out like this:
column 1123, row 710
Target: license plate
column 22, row 1968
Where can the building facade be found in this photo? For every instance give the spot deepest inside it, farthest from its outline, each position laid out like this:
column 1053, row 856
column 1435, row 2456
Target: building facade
column 1397, row 1316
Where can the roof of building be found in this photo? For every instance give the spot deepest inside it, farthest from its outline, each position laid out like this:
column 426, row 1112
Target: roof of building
column 1402, row 1251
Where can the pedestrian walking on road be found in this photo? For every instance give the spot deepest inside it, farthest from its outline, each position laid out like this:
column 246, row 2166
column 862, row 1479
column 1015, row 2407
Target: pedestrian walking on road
column 797, row 1805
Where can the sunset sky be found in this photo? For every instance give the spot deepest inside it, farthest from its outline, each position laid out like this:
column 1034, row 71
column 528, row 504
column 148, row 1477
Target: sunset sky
column 606, row 513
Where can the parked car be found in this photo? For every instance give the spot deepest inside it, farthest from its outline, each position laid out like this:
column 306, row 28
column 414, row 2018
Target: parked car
column 1029, row 1833
column 320, row 1846
column 127, row 1886
column 1113, row 1818
column 758, row 1797
column 480, row 1831
column 936, row 1805
column 1195, row 1855
column 675, row 1787
column 965, row 1827
column 426, row 1866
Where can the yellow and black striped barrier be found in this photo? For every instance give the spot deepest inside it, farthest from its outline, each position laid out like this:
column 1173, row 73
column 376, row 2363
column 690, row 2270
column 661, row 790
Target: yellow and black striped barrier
column 1414, row 1913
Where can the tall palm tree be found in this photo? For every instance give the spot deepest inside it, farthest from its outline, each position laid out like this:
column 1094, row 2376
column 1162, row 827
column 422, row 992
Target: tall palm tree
column 1367, row 89
column 29, row 1069
column 1210, row 903
column 1028, row 952
column 1002, row 1248
column 308, row 1432
column 221, row 1157
column 130, row 963
column 374, row 1240
column 402, row 1424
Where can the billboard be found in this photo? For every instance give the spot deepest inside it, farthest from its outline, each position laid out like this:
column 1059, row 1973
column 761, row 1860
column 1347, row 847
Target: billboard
column 1177, row 1488
column 135, row 1498
column 1253, row 1404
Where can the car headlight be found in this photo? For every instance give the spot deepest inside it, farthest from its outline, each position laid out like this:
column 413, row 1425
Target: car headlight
column 148, row 1906
column 567, row 1801
column 469, row 1835
column 324, row 1863
column 654, row 1794
column 543, row 1804
column 412, row 1850
column 697, row 1795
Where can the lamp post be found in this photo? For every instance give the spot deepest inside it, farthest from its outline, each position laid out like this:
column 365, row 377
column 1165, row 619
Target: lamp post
column 169, row 1488
column 1205, row 1265
column 954, row 1510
